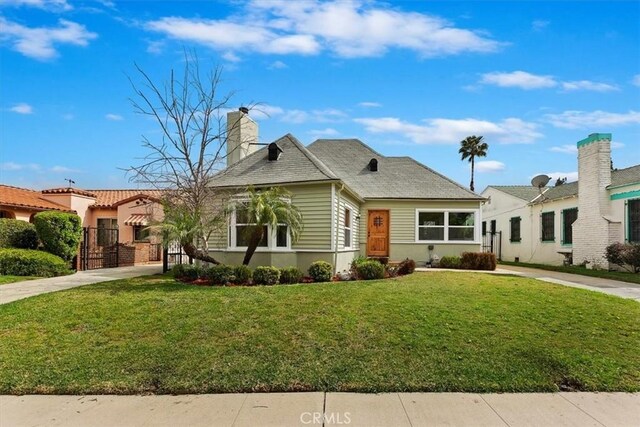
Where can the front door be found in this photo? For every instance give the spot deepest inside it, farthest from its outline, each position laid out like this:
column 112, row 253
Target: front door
column 378, row 233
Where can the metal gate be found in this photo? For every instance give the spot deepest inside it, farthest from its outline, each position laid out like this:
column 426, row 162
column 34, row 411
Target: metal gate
column 174, row 255
column 492, row 242
column 99, row 248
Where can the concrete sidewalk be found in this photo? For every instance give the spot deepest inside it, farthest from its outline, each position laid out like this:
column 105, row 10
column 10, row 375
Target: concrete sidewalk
column 328, row 409
column 28, row 288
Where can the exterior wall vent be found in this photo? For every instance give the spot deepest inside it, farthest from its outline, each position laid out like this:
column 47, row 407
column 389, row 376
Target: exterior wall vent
column 373, row 165
column 274, row 152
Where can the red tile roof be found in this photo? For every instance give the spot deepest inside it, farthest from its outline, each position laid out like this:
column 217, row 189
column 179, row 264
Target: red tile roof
column 68, row 190
column 22, row 198
column 110, row 198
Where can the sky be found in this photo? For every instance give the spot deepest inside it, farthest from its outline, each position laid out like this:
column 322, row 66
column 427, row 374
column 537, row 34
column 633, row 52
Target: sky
column 405, row 77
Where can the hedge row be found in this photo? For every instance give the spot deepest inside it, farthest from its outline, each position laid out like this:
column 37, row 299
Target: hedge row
column 29, row 262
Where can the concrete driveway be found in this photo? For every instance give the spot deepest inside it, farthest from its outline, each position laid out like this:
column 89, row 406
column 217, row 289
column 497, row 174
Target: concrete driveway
column 28, row 288
column 607, row 286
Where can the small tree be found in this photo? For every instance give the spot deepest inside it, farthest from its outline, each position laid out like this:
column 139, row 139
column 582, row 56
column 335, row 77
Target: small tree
column 470, row 148
column 59, row 232
column 267, row 209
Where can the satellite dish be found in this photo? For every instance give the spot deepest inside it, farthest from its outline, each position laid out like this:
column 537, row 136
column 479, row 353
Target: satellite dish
column 540, row 181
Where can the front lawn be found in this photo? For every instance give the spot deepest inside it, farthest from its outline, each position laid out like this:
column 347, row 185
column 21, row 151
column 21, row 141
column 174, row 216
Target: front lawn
column 441, row 331
column 13, row 279
column 623, row 276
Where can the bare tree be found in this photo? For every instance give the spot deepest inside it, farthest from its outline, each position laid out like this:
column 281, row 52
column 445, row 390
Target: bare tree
column 190, row 112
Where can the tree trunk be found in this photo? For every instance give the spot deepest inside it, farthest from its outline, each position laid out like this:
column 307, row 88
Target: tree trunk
column 193, row 252
column 254, row 241
column 472, row 167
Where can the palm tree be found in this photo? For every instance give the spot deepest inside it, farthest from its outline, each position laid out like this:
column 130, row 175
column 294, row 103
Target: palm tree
column 472, row 147
column 266, row 210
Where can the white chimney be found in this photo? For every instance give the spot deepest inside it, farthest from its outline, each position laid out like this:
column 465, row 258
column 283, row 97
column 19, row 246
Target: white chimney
column 242, row 135
column 591, row 230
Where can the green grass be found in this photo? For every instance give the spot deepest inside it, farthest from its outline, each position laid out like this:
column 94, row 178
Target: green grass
column 623, row 276
column 13, row 279
column 439, row 331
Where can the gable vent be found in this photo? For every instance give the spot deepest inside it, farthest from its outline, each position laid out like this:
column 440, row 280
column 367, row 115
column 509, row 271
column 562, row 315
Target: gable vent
column 373, row 165
column 274, row 152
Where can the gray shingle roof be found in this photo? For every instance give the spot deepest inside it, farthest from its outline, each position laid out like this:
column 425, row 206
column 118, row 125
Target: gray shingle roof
column 396, row 178
column 629, row 175
column 561, row 191
column 295, row 164
column 524, row 192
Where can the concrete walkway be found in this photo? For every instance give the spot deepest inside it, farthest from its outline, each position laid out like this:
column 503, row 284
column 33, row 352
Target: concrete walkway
column 28, row 288
column 326, row 409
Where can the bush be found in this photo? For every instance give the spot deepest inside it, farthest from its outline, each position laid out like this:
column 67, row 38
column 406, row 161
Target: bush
column 29, row 262
column 321, row 271
column 59, row 232
column 265, row 275
column 241, row 274
column 219, row 274
column 407, row 266
column 370, row 270
column 450, row 262
column 17, row 234
column 624, row 255
column 478, row 261
column 187, row 271
column 290, row 275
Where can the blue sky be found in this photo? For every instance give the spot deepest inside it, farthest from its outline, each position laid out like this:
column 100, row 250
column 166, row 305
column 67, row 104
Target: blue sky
column 407, row 77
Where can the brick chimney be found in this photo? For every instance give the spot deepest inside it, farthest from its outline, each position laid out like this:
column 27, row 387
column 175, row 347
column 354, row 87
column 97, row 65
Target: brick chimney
column 591, row 230
column 242, row 135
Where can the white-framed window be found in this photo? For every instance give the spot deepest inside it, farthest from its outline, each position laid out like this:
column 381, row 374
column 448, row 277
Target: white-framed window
column 348, row 220
column 277, row 238
column 439, row 225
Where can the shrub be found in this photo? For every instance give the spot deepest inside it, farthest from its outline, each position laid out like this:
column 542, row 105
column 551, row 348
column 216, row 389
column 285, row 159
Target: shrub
column 290, row 275
column 450, row 262
column 59, row 232
column 407, row 266
column 265, row 275
column 370, row 270
column 187, row 271
column 321, row 271
column 17, row 234
column 219, row 274
column 29, row 262
column 241, row 274
column 478, row 261
column 624, row 255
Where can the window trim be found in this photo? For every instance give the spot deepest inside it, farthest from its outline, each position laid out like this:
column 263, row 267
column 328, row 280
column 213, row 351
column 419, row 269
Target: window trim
column 349, row 210
column 628, row 221
column 563, row 229
column 146, row 240
column 476, row 226
column 272, row 237
column 519, row 239
column 553, row 213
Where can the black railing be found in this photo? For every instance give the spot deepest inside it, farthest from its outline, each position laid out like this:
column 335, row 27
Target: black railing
column 173, row 255
column 492, row 242
column 99, row 248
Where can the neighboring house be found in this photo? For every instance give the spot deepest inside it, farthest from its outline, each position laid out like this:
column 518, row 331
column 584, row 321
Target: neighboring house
column 102, row 213
column 577, row 220
column 354, row 202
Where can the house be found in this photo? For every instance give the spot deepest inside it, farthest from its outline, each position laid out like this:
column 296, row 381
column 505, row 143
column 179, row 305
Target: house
column 108, row 217
column 354, row 202
column 574, row 221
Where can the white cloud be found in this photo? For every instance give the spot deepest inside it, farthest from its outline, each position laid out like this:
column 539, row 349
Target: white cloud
column 12, row 166
column 54, row 5
column 490, row 166
column 369, row 104
column 588, row 85
column 22, row 108
column 567, row 149
column 155, row 47
column 265, row 111
column 63, row 169
column 317, row 133
column 636, row 80
column 520, row 79
column 40, row 42
column 592, row 119
column 452, row 131
column 539, row 25
column 231, row 57
column 113, row 117
column 615, row 144
column 349, row 29
column 571, row 176
column 277, row 65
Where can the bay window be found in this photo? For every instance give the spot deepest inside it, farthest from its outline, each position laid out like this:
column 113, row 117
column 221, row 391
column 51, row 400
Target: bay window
column 446, row 226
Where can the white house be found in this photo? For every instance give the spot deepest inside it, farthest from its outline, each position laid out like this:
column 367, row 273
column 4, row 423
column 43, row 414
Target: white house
column 572, row 221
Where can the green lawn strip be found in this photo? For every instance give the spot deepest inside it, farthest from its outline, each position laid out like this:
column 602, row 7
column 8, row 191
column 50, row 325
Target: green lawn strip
column 13, row 279
column 443, row 331
column 574, row 269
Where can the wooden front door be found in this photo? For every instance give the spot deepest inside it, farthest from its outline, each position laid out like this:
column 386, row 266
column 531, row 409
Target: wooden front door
column 378, row 233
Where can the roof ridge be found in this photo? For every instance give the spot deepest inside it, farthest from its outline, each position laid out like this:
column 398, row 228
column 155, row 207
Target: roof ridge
column 312, row 157
column 21, row 188
column 350, row 139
